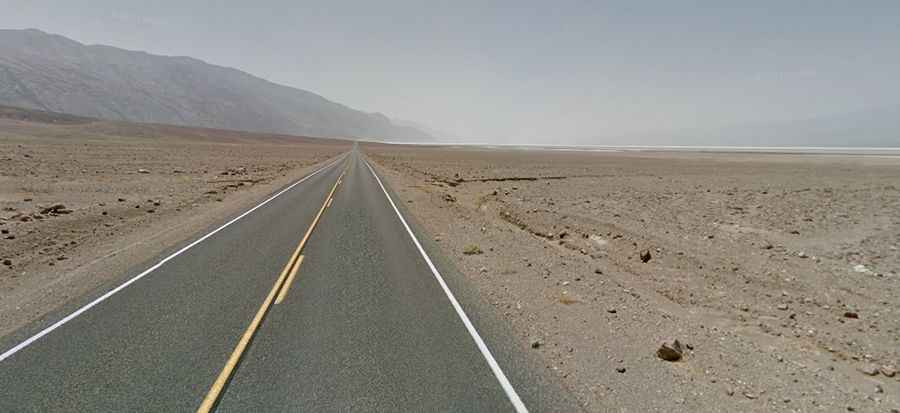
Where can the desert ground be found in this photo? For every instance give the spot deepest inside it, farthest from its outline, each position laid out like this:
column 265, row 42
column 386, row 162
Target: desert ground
column 776, row 273
column 83, row 201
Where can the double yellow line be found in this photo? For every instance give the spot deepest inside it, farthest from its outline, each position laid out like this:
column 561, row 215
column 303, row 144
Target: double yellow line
column 277, row 294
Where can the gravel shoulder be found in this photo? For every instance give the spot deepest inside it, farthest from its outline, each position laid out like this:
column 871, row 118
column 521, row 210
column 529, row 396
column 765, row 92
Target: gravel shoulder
column 83, row 202
column 777, row 273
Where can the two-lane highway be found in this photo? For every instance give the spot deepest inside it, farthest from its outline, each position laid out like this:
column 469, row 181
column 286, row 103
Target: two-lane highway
column 319, row 299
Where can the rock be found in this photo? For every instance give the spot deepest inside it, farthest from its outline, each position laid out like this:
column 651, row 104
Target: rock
column 4, row 231
column 55, row 208
column 449, row 198
column 535, row 343
column 670, row 352
column 472, row 249
column 862, row 269
column 645, row 255
column 851, row 314
column 598, row 271
column 7, row 262
column 121, row 199
column 888, row 371
column 782, row 307
column 802, row 254
column 750, row 396
column 620, row 369
column 611, row 310
column 143, row 171
column 869, row 370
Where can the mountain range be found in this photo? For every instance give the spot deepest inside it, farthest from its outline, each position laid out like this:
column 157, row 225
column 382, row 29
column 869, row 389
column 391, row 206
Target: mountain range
column 50, row 72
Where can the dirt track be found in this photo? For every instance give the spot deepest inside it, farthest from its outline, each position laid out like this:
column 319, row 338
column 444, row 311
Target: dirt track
column 780, row 272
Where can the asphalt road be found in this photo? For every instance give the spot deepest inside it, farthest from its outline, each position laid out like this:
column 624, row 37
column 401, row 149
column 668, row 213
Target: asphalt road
column 366, row 324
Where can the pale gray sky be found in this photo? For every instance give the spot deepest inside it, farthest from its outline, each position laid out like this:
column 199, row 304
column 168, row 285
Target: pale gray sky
column 526, row 70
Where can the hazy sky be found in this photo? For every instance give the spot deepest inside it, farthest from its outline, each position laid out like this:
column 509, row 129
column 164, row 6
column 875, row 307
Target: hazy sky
column 526, row 70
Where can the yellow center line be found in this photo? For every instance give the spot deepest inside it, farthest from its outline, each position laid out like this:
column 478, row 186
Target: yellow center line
column 287, row 273
column 289, row 281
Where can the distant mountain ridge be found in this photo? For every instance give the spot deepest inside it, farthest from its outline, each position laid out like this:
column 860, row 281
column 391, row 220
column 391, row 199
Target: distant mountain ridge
column 53, row 73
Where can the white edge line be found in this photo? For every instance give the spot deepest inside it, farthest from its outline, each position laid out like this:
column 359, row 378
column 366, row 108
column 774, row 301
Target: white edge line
column 495, row 368
column 121, row 287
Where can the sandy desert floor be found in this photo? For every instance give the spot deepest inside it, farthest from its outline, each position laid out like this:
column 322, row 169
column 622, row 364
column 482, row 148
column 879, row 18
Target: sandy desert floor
column 777, row 273
column 82, row 201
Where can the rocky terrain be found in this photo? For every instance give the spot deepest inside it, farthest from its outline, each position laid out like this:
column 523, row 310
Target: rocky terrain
column 82, row 201
column 776, row 274
column 50, row 72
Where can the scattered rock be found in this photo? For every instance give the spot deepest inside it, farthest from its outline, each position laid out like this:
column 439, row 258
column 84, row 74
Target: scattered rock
column 620, row 369
column 645, row 255
column 598, row 241
column 55, row 209
column 143, row 171
column 449, row 198
column 802, row 254
column 851, row 314
column 750, row 396
column 782, row 307
column 670, row 352
column 472, row 249
column 869, row 370
column 862, row 269
column 888, row 371
column 535, row 343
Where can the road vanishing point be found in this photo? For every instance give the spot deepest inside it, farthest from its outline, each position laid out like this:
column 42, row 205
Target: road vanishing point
column 321, row 298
